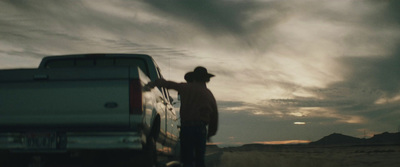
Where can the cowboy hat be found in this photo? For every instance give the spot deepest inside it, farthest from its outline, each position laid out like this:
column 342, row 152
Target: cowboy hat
column 199, row 74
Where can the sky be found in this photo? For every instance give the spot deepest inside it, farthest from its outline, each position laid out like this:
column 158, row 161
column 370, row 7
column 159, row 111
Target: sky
column 286, row 70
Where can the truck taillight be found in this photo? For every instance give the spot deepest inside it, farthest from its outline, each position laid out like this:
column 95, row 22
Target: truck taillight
column 135, row 97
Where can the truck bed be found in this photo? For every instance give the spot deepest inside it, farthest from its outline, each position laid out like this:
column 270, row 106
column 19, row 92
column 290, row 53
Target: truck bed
column 53, row 98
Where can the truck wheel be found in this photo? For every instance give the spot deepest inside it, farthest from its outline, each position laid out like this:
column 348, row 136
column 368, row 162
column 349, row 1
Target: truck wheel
column 176, row 156
column 150, row 153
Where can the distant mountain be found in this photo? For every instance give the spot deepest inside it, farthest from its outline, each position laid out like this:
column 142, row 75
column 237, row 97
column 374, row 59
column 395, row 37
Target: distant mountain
column 339, row 139
column 385, row 138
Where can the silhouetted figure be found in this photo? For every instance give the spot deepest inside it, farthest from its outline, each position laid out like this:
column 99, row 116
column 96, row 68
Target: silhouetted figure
column 198, row 110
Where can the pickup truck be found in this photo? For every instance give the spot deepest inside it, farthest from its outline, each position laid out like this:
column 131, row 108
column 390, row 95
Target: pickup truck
column 86, row 105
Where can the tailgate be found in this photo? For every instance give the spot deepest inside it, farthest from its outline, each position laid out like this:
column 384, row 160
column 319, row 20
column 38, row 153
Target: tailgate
column 79, row 97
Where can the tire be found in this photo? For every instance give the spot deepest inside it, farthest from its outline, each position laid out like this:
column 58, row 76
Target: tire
column 149, row 149
column 177, row 152
column 150, row 153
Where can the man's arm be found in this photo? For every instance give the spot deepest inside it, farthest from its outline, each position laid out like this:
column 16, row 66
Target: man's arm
column 166, row 84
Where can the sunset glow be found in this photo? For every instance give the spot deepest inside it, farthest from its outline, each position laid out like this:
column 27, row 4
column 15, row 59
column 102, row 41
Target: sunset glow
column 284, row 142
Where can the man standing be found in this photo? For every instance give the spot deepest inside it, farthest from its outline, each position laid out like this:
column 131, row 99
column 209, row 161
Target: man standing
column 198, row 110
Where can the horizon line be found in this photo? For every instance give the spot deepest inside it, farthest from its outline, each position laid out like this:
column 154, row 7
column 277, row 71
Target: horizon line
column 278, row 142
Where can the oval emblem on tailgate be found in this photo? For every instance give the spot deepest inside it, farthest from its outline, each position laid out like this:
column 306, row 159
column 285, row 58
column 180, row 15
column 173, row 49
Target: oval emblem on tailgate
column 111, row 105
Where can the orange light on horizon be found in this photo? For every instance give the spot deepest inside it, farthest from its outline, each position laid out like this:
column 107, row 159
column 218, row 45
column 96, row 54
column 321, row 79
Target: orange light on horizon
column 284, row 142
column 260, row 142
column 216, row 143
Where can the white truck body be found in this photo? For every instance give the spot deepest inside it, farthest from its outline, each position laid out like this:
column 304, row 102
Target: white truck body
column 86, row 102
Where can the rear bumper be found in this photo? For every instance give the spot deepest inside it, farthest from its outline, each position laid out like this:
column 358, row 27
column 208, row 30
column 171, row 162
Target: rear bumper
column 76, row 140
column 120, row 140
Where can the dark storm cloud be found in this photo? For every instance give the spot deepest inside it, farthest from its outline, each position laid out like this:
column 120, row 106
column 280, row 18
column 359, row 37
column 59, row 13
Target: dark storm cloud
column 219, row 16
column 377, row 79
column 62, row 27
column 228, row 25
column 74, row 15
column 32, row 26
column 381, row 73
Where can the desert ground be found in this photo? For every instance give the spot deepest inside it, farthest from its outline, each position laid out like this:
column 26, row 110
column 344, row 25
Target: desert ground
column 307, row 156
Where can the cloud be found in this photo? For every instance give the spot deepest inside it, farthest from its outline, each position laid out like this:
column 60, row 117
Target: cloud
column 220, row 17
column 367, row 96
column 382, row 73
column 76, row 26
